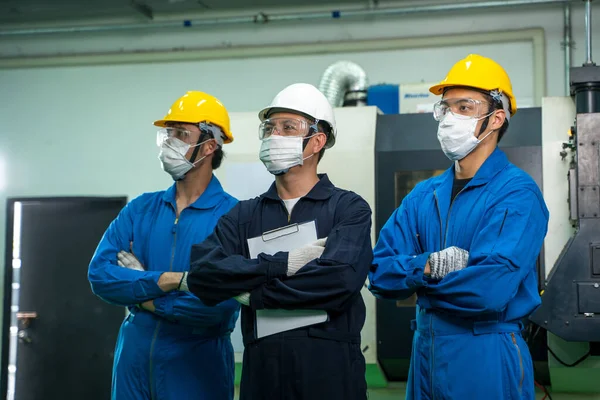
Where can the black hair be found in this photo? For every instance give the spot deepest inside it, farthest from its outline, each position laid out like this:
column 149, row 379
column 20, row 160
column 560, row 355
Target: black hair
column 325, row 128
column 218, row 154
column 494, row 105
column 322, row 126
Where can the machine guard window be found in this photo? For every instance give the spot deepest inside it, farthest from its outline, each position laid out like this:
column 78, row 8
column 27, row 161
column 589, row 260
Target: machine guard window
column 405, row 181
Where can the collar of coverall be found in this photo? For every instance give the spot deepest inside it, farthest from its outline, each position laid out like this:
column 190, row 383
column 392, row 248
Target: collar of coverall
column 321, row 191
column 212, row 196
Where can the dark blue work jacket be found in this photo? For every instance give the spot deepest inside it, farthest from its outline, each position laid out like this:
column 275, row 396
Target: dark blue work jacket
column 221, row 267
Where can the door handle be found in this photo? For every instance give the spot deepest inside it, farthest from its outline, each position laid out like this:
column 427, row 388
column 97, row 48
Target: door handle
column 25, row 318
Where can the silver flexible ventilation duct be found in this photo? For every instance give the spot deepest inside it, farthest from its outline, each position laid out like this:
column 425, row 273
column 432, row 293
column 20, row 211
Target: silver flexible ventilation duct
column 344, row 83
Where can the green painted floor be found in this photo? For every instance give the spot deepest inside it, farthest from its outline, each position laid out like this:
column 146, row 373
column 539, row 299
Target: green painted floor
column 396, row 391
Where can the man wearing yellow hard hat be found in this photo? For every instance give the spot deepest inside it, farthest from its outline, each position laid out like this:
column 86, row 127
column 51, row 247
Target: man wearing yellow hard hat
column 171, row 346
column 466, row 242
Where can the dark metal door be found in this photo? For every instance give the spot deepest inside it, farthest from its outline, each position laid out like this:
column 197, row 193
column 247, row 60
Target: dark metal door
column 58, row 338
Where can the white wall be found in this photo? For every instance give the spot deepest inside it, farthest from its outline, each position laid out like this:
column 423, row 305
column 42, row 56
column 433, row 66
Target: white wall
column 558, row 115
column 241, row 84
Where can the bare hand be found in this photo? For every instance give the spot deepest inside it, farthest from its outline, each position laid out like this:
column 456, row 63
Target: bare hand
column 149, row 306
column 169, row 281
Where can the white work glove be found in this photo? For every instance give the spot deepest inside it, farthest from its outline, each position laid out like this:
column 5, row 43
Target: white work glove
column 298, row 258
column 128, row 260
column 446, row 261
column 243, row 298
column 183, row 286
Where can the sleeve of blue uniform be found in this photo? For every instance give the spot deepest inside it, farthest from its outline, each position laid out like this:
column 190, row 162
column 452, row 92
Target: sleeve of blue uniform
column 398, row 261
column 219, row 271
column 186, row 308
column 331, row 282
column 502, row 254
column 115, row 284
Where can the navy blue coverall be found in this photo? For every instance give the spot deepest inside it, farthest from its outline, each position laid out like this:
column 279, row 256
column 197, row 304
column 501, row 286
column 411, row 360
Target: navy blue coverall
column 323, row 361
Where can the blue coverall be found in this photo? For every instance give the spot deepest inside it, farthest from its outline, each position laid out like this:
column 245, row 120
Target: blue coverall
column 318, row 362
column 467, row 342
column 182, row 350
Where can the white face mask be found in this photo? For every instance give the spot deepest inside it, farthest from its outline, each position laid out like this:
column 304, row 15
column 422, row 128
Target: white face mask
column 457, row 136
column 172, row 156
column 280, row 153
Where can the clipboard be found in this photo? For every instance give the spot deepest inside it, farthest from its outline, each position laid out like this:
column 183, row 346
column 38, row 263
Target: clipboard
column 286, row 238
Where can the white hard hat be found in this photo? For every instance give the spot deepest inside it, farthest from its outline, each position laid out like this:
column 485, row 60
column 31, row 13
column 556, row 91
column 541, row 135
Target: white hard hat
column 305, row 99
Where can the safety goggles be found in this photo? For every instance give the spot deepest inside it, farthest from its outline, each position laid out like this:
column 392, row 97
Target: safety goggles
column 285, row 127
column 178, row 133
column 463, row 108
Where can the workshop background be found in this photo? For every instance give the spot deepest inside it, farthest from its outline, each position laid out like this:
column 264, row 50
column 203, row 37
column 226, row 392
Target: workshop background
column 82, row 82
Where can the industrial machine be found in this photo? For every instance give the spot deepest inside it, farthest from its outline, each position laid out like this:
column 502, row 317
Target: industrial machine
column 570, row 307
column 571, row 301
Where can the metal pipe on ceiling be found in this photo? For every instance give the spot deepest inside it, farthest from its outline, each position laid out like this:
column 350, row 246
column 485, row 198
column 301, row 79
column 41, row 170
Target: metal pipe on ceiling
column 263, row 18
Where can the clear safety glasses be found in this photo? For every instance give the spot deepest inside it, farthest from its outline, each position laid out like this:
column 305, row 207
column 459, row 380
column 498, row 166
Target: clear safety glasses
column 182, row 134
column 285, row 127
column 461, row 108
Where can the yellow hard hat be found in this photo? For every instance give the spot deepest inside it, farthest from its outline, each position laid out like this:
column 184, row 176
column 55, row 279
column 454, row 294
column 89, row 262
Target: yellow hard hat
column 480, row 73
column 195, row 107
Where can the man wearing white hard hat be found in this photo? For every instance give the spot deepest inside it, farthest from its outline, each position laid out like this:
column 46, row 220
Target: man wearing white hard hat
column 315, row 353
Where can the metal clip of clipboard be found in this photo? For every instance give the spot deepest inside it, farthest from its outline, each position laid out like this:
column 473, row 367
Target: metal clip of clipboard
column 274, row 234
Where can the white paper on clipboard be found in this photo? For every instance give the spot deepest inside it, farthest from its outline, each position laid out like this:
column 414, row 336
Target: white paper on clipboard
column 270, row 322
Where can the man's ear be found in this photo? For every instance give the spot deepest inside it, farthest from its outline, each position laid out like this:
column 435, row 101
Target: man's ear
column 319, row 142
column 497, row 120
column 210, row 147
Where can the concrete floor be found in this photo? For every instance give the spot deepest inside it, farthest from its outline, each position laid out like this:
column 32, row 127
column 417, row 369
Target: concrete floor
column 396, row 391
